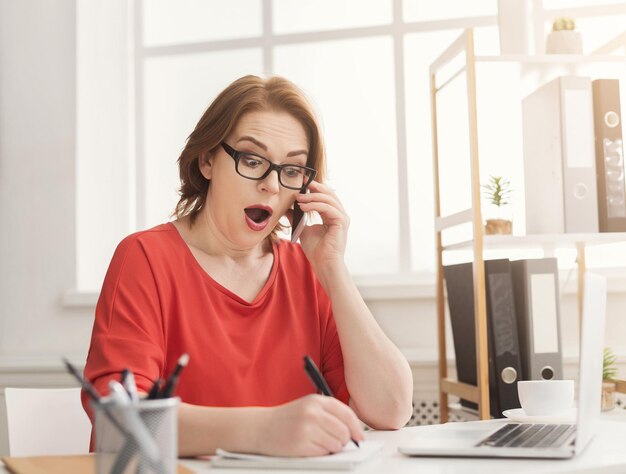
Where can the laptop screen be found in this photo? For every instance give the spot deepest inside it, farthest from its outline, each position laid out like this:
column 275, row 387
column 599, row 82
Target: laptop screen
column 591, row 351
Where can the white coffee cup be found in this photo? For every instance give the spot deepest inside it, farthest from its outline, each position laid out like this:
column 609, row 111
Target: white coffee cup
column 546, row 397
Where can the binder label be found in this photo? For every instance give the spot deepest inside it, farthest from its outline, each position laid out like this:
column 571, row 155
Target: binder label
column 578, row 121
column 503, row 317
column 544, row 313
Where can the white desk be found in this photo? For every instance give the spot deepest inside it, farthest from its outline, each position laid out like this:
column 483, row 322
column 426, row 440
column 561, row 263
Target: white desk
column 605, row 453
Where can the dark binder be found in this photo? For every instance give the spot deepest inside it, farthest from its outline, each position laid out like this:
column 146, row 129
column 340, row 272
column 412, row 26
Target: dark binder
column 611, row 183
column 460, row 290
column 504, row 363
column 502, row 328
column 536, row 287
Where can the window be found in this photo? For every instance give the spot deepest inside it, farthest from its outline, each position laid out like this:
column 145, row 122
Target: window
column 176, row 91
column 363, row 63
column 355, row 95
column 179, row 22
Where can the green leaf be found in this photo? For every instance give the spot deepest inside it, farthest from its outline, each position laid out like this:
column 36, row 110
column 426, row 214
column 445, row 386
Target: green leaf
column 609, row 364
column 497, row 191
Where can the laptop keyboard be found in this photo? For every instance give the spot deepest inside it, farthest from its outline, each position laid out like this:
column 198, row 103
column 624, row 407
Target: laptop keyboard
column 513, row 435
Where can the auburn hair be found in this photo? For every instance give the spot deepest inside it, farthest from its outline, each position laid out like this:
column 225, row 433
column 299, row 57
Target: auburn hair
column 247, row 94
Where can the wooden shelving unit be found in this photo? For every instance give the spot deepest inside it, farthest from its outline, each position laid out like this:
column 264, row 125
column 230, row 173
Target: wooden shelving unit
column 450, row 68
column 480, row 393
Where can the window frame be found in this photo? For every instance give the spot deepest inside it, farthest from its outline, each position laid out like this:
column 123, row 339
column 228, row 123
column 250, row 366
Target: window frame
column 267, row 41
column 397, row 29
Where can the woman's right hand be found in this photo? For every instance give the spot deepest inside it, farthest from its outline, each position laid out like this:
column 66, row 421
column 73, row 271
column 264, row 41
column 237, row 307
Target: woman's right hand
column 313, row 425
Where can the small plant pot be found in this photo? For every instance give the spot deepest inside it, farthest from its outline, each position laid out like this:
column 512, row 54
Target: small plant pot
column 498, row 226
column 564, row 42
column 608, row 395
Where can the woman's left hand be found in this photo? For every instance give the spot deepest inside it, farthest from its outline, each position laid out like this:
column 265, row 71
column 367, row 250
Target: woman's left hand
column 324, row 243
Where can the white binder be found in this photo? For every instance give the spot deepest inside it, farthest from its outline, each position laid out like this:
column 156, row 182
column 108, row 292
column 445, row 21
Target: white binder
column 559, row 158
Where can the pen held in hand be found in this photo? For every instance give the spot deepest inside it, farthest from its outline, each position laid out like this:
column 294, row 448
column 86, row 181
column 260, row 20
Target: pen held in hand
column 316, row 377
column 319, row 382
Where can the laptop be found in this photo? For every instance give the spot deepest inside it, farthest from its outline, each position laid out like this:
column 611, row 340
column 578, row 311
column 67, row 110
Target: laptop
column 533, row 440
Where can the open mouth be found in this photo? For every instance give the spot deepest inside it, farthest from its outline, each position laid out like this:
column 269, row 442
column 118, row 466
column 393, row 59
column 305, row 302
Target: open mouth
column 257, row 214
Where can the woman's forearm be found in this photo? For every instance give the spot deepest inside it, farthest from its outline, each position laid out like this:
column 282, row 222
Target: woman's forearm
column 377, row 374
column 312, row 425
column 201, row 430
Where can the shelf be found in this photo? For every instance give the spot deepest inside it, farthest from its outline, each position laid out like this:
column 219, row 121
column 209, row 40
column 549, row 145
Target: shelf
column 551, row 59
column 460, row 389
column 453, row 220
column 464, row 413
column 458, row 62
column 538, row 240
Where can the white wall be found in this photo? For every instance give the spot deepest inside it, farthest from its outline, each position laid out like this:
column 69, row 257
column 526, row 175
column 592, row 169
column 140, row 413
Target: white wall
column 37, row 135
column 37, row 174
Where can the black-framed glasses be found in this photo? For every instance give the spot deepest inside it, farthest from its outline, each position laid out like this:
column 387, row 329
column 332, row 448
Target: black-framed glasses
column 253, row 166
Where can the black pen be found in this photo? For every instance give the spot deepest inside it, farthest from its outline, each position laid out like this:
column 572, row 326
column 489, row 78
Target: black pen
column 154, row 391
column 123, row 377
column 93, row 393
column 128, row 382
column 168, row 390
column 84, row 383
column 318, row 380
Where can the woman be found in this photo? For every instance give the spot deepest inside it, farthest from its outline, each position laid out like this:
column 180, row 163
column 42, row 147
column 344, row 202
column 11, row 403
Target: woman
column 218, row 284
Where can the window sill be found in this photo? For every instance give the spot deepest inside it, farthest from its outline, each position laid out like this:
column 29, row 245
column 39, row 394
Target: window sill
column 79, row 299
column 37, row 364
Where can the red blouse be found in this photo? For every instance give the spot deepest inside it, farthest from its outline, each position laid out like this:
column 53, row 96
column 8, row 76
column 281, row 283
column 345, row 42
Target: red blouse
column 157, row 303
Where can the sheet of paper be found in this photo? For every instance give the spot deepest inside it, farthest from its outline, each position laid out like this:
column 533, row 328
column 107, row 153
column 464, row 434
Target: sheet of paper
column 348, row 458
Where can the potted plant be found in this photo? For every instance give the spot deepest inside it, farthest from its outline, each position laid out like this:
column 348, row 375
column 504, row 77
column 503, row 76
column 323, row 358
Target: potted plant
column 609, row 372
column 498, row 192
column 564, row 39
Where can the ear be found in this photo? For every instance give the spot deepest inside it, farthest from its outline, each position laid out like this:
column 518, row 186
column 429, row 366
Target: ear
column 205, row 163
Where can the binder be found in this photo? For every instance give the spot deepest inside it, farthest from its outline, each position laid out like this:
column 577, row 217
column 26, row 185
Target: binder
column 502, row 328
column 504, row 362
column 609, row 155
column 536, row 288
column 460, row 290
column 559, row 164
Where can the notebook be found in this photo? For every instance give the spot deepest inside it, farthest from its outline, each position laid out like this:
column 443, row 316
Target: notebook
column 349, row 458
column 515, row 440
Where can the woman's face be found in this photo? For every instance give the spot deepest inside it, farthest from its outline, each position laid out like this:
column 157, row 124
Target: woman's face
column 245, row 211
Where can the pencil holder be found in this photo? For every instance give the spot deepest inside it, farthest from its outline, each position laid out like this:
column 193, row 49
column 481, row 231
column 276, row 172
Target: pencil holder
column 141, row 438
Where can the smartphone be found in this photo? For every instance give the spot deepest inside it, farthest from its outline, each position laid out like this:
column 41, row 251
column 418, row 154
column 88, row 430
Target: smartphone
column 299, row 221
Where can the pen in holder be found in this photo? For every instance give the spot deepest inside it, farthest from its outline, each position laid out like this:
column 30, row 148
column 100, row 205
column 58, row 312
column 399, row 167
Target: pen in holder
column 150, row 444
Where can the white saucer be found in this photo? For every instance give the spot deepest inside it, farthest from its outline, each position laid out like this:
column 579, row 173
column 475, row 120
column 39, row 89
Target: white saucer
column 518, row 414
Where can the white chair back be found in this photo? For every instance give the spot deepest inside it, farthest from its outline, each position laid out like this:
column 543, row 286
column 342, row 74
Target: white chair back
column 46, row 421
